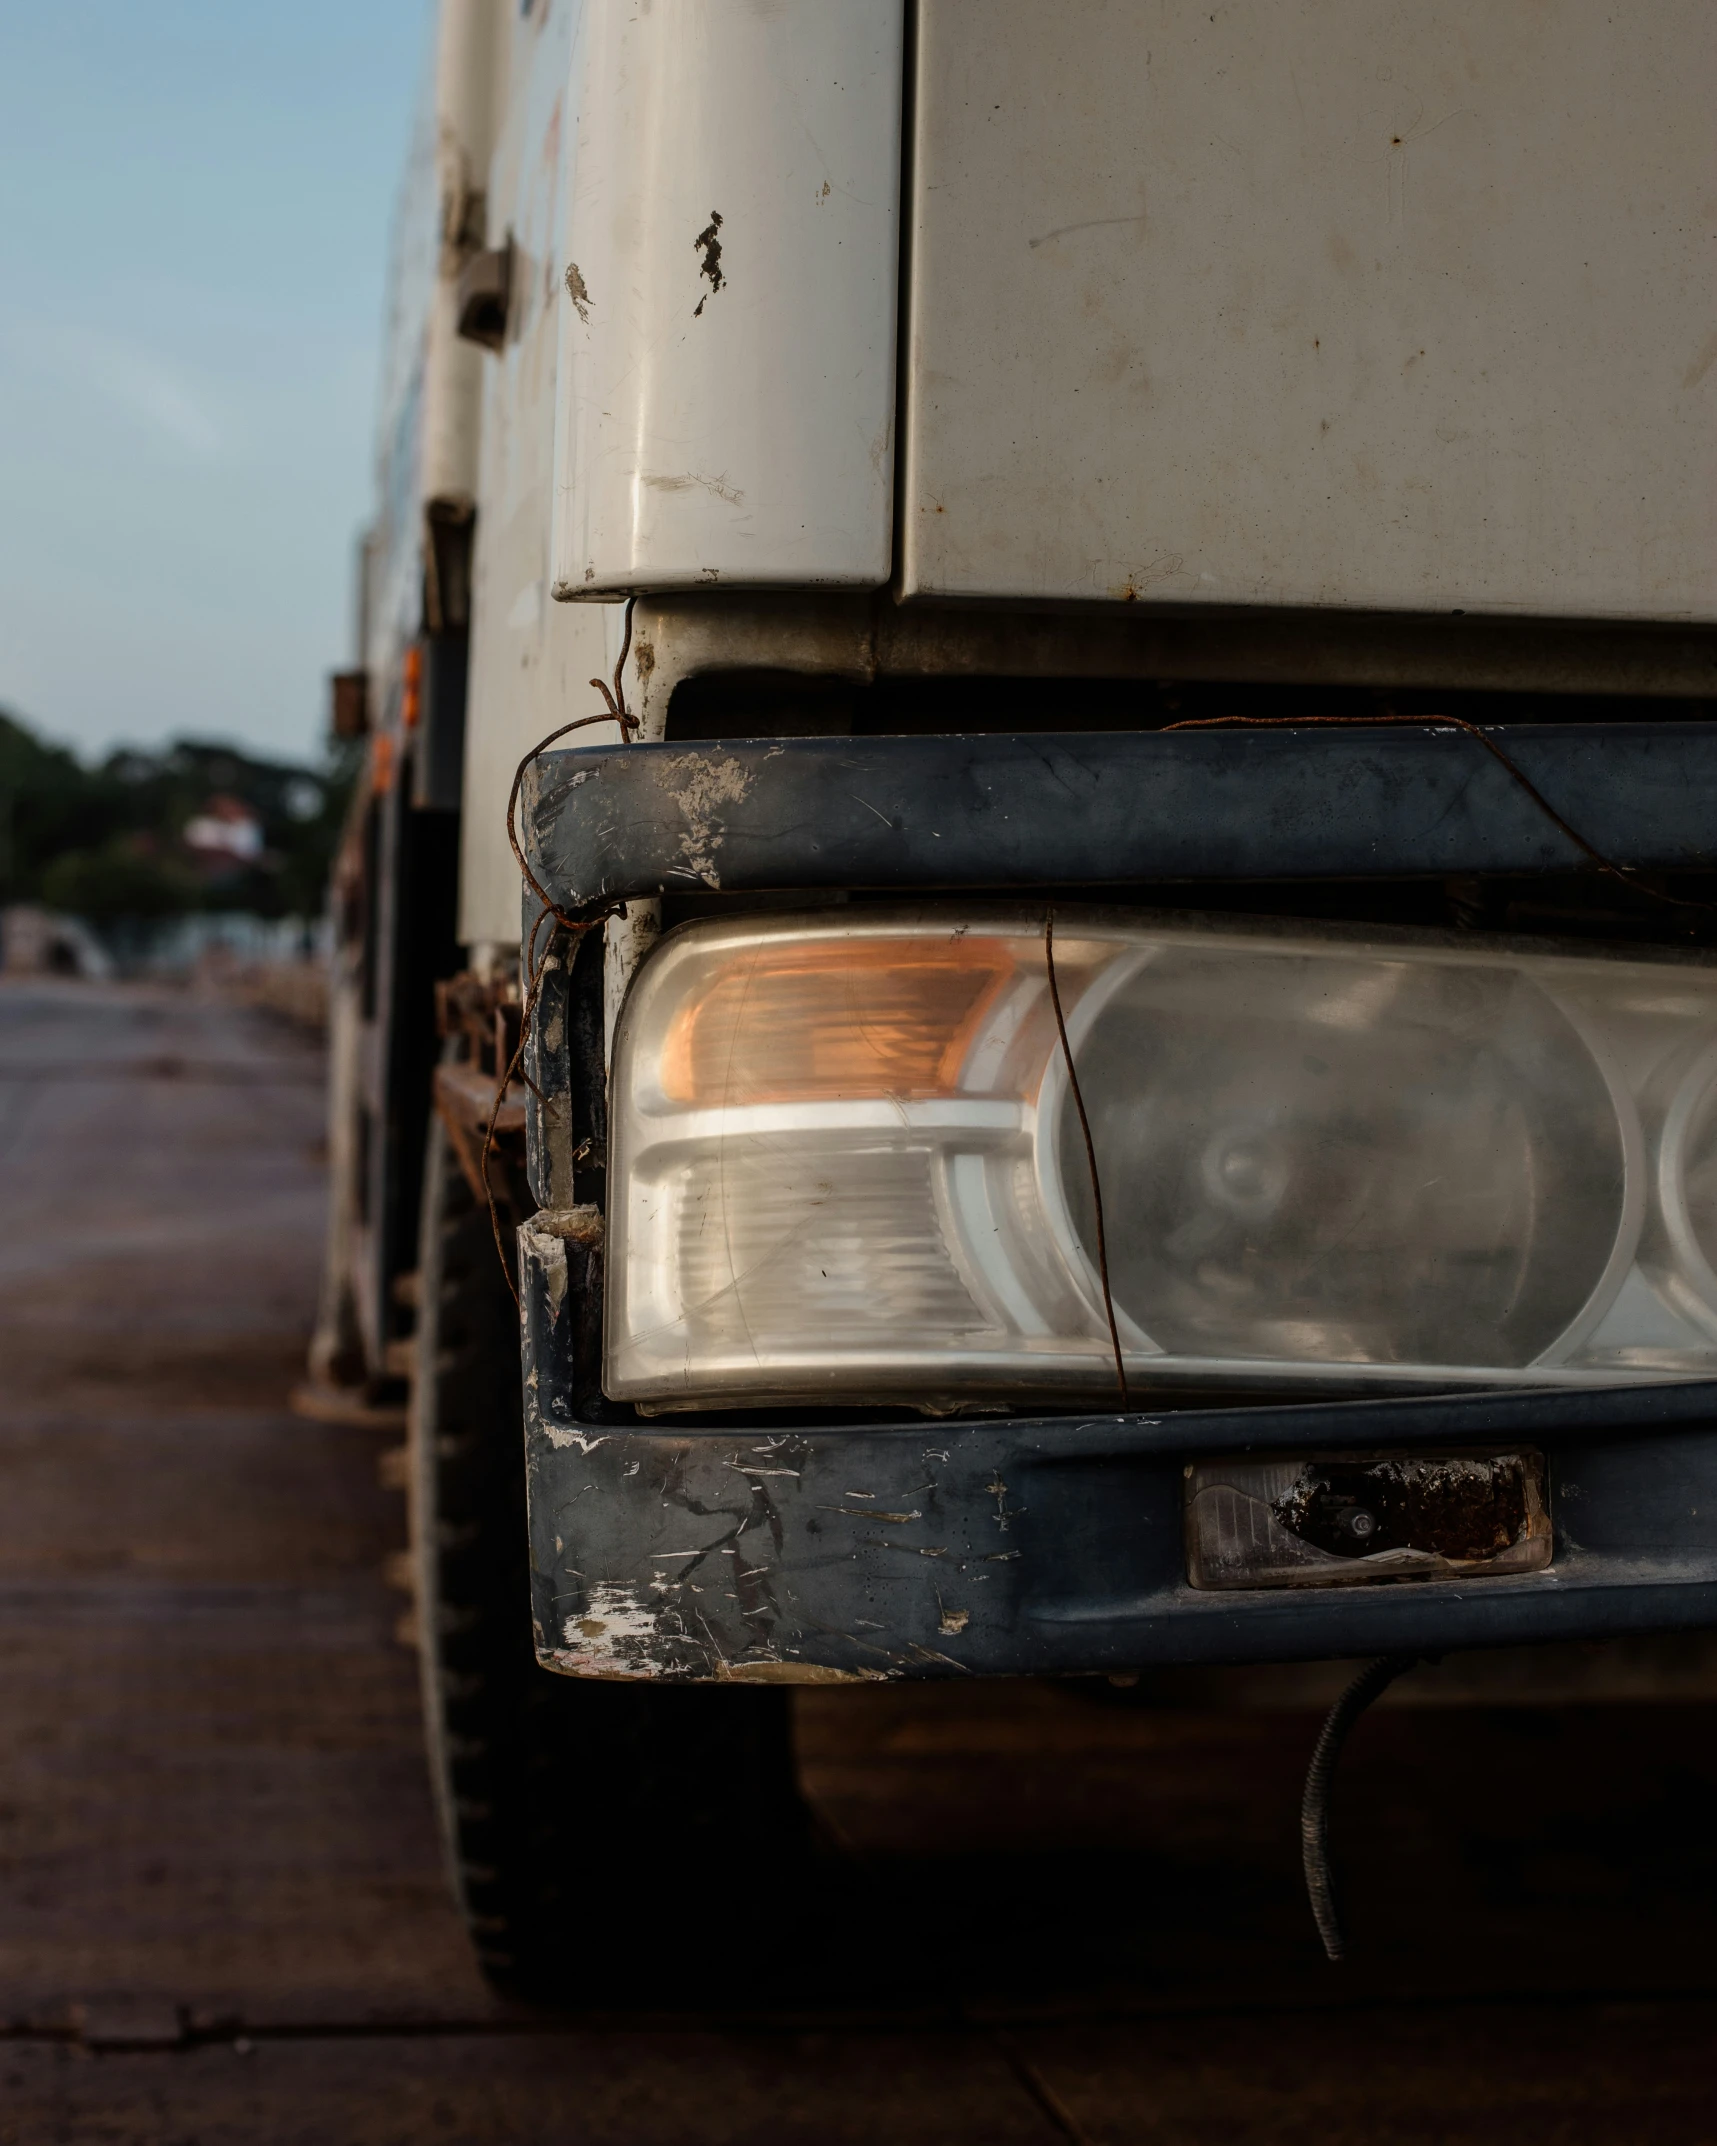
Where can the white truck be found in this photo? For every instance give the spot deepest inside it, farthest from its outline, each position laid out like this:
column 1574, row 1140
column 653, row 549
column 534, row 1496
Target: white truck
column 1112, row 1057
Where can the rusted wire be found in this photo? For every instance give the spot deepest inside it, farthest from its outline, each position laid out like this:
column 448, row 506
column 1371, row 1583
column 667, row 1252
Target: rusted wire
column 1090, row 1154
column 617, row 712
column 1624, row 874
column 535, row 972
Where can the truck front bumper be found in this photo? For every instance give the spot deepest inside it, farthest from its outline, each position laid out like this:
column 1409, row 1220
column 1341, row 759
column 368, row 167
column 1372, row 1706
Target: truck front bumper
column 1055, row 1545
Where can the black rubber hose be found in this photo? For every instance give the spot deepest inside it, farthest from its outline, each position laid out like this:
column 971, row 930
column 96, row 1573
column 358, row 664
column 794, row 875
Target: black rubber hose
column 1374, row 1678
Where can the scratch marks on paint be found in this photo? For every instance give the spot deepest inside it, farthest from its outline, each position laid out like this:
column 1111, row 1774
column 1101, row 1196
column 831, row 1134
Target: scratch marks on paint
column 705, row 785
column 1702, row 364
column 778, row 1672
column 688, row 480
column 1091, row 223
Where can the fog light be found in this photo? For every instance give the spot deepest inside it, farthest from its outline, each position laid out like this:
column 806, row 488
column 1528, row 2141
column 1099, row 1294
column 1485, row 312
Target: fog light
column 1331, row 1523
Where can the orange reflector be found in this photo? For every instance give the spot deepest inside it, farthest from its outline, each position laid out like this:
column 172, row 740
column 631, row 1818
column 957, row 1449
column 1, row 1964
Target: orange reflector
column 853, row 1017
column 411, row 694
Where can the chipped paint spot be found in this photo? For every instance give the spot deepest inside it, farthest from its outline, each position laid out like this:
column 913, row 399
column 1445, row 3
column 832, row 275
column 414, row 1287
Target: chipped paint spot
column 614, row 1635
column 708, row 244
column 577, row 292
column 561, row 1436
column 954, row 1622
column 551, row 1258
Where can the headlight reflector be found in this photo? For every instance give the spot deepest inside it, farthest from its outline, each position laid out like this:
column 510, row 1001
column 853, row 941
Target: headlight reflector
column 845, row 1166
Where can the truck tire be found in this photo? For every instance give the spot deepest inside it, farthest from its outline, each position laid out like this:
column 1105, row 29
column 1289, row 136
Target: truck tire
column 572, row 1812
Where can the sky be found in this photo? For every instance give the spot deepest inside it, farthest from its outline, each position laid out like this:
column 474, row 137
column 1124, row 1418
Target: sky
column 195, row 199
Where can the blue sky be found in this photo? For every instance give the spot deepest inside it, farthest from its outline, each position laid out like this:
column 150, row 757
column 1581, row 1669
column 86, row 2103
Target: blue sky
column 194, row 209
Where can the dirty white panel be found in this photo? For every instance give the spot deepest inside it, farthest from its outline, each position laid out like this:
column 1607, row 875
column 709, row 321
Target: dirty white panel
column 470, row 63
column 531, row 658
column 1315, row 302
column 728, row 350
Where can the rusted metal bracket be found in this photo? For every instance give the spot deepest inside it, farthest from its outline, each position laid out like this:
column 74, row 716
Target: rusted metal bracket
column 482, row 297
column 465, row 1103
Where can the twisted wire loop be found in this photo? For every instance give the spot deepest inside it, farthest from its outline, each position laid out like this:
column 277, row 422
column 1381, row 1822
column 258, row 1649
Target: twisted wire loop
column 1626, row 875
column 1372, row 1681
column 562, row 923
column 1073, row 1089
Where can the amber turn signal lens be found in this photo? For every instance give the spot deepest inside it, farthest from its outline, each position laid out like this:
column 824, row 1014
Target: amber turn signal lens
column 864, row 1017
column 411, row 694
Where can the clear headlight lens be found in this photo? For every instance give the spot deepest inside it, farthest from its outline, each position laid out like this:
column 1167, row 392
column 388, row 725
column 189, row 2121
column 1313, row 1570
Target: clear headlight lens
column 1349, row 1160
column 846, row 1166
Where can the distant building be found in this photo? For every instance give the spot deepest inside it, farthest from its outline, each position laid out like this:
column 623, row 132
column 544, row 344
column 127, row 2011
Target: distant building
column 225, row 833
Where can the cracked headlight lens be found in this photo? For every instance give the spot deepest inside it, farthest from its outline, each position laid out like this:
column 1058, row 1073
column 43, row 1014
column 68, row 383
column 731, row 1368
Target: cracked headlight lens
column 846, row 1166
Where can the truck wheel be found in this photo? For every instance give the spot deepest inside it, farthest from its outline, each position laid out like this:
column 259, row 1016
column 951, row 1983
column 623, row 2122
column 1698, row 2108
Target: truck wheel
column 571, row 1811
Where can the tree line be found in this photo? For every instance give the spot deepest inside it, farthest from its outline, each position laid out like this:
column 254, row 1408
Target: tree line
column 107, row 842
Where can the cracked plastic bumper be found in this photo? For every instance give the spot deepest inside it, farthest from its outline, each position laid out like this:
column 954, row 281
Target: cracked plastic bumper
column 1050, row 1545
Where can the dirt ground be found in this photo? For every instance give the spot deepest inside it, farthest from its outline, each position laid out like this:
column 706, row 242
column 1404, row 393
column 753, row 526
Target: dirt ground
column 1048, row 1913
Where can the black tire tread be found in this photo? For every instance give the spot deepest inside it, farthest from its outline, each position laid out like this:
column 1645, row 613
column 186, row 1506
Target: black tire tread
column 558, row 1797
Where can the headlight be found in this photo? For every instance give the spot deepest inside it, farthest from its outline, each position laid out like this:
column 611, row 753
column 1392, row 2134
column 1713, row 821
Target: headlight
column 846, row 1167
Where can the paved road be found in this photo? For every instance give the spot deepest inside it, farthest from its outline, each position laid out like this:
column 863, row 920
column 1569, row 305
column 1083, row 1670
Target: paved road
column 1059, row 1915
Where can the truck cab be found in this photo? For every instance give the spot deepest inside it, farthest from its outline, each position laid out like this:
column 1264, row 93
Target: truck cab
column 1091, row 653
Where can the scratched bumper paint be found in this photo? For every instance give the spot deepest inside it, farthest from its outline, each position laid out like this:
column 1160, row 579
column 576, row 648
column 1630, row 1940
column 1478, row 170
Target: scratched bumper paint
column 1047, row 1545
